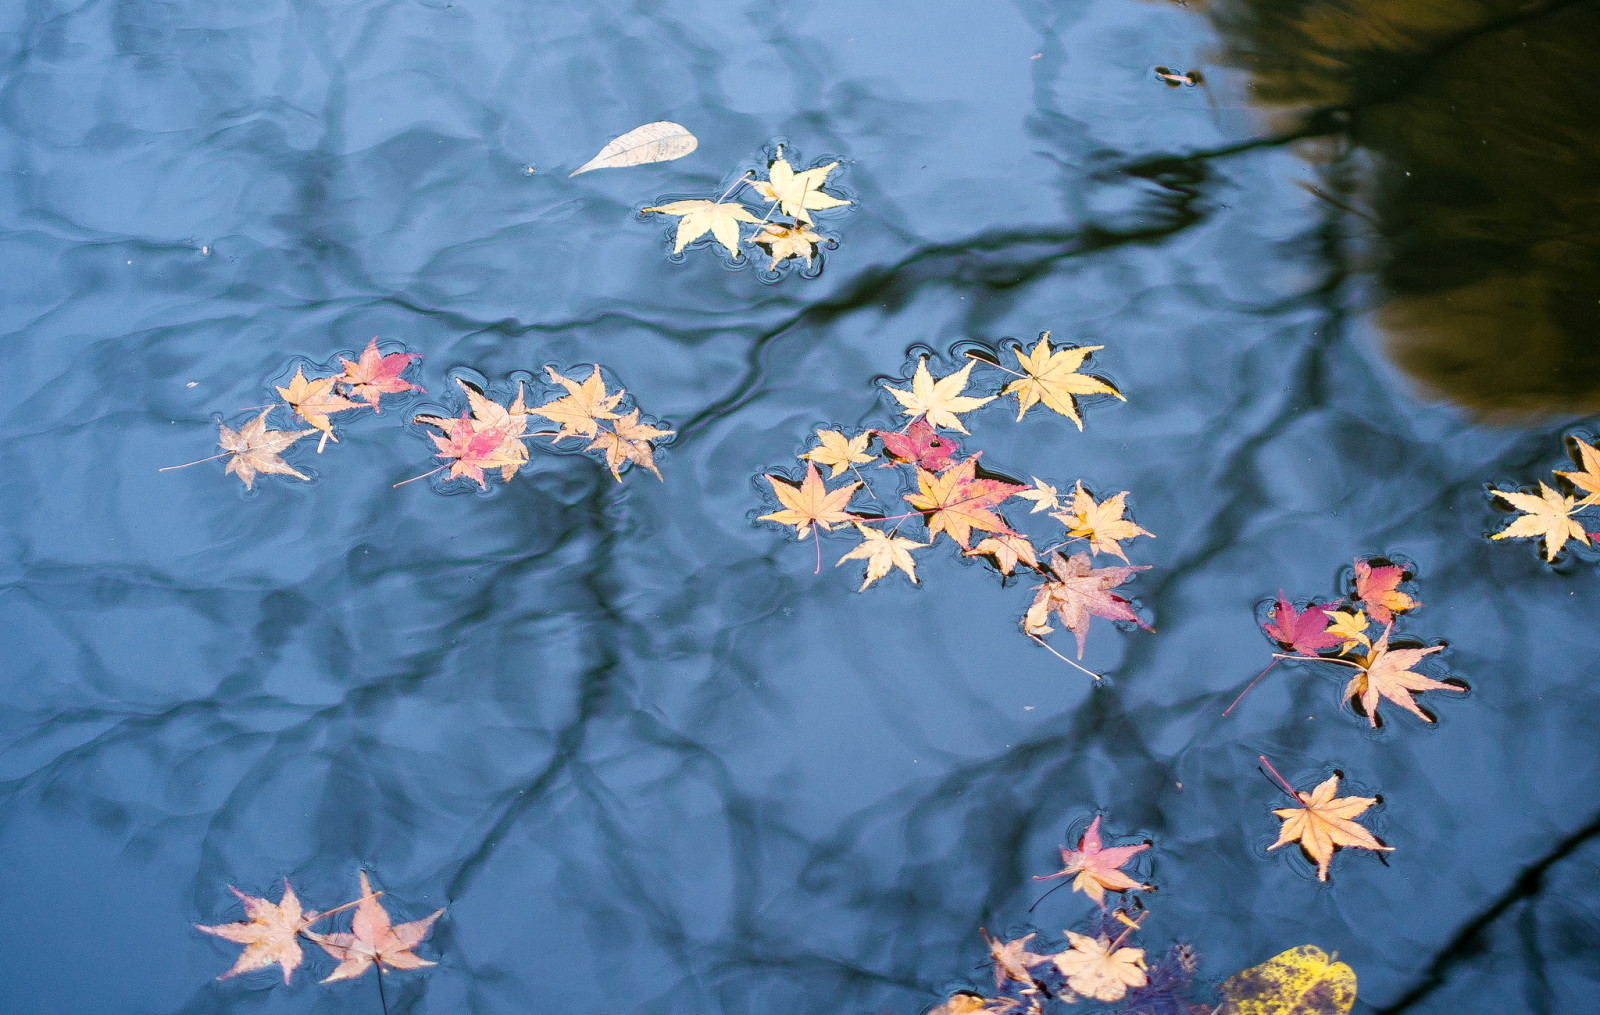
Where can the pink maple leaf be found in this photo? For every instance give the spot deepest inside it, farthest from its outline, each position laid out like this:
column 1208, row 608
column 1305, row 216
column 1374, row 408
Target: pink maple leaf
column 1303, row 632
column 920, row 444
column 373, row 376
column 1098, row 869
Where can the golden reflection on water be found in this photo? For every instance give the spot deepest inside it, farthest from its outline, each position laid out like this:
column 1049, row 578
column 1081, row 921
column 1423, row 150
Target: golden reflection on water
column 1476, row 124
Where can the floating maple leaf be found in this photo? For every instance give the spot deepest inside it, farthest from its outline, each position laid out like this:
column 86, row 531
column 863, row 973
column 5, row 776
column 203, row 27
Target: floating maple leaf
column 269, row 935
column 314, row 401
column 1387, row 673
column 796, row 194
column 1052, row 377
column 1008, row 549
column 257, row 449
column 964, row 1002
column 1012, row 958
column 956, row 502
column 1588, row 480
column 1077, row 592
column 470, row 450
column 882, row 554
column 696, row 218
column 1044, row 496
column 1095, row 967
column 1102, row 524
column 373, row 375
column 1097, row 868
column 1306, row 633
column 1377, row 587
column 1547, row 516
column 920, row 444
column 939, row 401
column 507, row 423
column 1349, row 628
column 373, row 940
column 1322, row 823
column 582, row 407
column 628, row 440
column 784, row 242
column 838, row 451
column 810, row 503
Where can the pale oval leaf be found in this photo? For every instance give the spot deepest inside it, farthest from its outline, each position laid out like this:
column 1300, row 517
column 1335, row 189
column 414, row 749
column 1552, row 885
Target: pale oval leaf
column 661, row 141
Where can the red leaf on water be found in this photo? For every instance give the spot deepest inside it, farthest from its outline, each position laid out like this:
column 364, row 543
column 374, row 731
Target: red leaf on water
column 1303, row 632
column 1376, row 586
column 472, row 450
column 920, row 444
column 1097, row 867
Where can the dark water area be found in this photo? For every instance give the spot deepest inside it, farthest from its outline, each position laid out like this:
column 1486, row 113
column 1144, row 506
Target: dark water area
column 643, row 756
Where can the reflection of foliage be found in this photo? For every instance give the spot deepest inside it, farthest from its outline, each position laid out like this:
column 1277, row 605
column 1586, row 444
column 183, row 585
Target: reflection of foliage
column 1488, row 140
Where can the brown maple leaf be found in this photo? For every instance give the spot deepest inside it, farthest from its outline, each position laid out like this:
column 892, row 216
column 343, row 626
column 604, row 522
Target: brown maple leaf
column 810, row 503
column 1077, row 592
column 582, row 407
column 956, row 502
column 1323, row 823
column 372, row 940
column 374, row 375
column 269, row 935
column 1387, row 673
column 629, row 441
column 315, row 401
column 1097, row 867
column 257, row 449
column 1012, row 959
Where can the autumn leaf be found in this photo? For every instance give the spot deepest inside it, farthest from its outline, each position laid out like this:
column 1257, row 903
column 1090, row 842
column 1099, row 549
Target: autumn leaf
column 470, row 450
column 940, row 401
column 372, row 940
column 1306, row 633
column 919, row 444
column 966, row 1003
column 373, row 375
column 810, row 503
column 839, row 451
column 1077, row 592
column 1349, row 628
column 696, row 218
column 314, row 401
column 1095, row 967
column 784, row 242
column 1095, row 869
column 1011, row 958
column 1044, row 496
column 1376, row 586
column 269, row 935
column 582, row 407
column 1300, row 981
column 1008, row 549
column 508, row 422
column 956, row 502
column 661, row 141
column 1589, row 479
column 796, row 193
column 257, row 449
column 882, row 553
column 1052, row 377
column 1547, row 516
column 1102, row 524
column 1322, row 823
column 1387, row 673
column 629, row 441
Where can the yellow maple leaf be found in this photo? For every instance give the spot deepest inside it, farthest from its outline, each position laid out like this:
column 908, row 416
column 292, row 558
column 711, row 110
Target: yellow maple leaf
column 1352, row 627
column 1007, row 549
column 1301, row 981
column 1589, row 479
column 796, row 193
column 1052, row 377
column 957, row 502
column 582, row 407
column 784, row 242
column 940, row 401
column 696, row 218
column 629, row 441
column 1322, row 823
column 1044, row 496
column 1547, row 516
column 839, row 451
column 314, row 401
column 810, row 503
column 1102, row 524
column 882, row 554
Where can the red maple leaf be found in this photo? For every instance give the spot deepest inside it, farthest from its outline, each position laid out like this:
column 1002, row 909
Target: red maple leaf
column 920, row 444
column 472, row 451
column 1305, row 633
column 373, row 376
column 1097, row 868
column 1376, row 587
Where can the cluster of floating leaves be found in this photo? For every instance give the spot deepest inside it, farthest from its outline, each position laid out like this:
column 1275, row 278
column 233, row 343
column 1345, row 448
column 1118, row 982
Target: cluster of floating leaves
column 1096, row 962
column 1551, row 513
column 954, row 498
column 487, row 436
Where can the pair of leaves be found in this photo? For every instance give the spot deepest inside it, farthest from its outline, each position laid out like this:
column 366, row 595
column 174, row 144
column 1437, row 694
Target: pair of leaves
column 1093, row 966
column 1549, row 514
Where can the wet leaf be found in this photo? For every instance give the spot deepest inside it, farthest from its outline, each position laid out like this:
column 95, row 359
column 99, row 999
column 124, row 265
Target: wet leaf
column 1378, row 588
column 269, row 935
column 470, row 450
column 797, row 194
column 1096, row 869
column 582, row 407
column 696, row 218
column 1306, row 633
column 939, row 401
column 1012, row 959
column 629, row 440
column 508, row 422
column 1387, row 673
column 1349, row 628
column 1547, row 516
column 967, row 1003
column 373, row 940
column 882, row 553
column 661, row 141
column 1077, row 592
column 257, row 449
column 1052, row 377
column 1587, row 480
column 315, row 401
column 810, row 503
column 374, row 375
column 920, row 444
column 1095, row 969
column 956, row 502
column 1322, row 823
column 1102, row 524
column 1300, row 981
column 1008, row 550
column 783, row 242
column 838, row 451
column 1044, row 496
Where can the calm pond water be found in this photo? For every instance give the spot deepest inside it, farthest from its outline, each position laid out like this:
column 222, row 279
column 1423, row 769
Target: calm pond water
column 646, row 759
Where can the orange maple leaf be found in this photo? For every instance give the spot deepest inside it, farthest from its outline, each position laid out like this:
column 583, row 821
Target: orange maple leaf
column 374, row 375
column 268, row 936
column 373, row 940
column 315, row 401
column 470, row 451
column 1097, row 867
column 810, row 503
column 1376, row 586
column 1323, row 823
column 956, row 502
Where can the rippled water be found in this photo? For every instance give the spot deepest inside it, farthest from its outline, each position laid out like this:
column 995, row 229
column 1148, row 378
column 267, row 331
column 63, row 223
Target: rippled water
column 646, row 759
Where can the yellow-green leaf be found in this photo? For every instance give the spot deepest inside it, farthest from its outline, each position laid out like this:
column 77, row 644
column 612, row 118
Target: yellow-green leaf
column 1301, row 981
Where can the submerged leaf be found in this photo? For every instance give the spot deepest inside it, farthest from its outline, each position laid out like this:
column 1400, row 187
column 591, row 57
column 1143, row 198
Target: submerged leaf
column 268, row 935
column 1077, row 592
column 1095, row 968
column 1300, row 981
column 661, row 141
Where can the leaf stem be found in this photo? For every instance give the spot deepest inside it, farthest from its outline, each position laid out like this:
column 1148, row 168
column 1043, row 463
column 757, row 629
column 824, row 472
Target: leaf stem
column 197, row 461
column 1052, row 891
column 335, row 909
column 1318, row 659
column 743, row 178
column 972, row 354
column 413, row 479
column 1064, row 659
column 1133, row 925
column 378, row 963
column 1282, row 782
column 1252, row 683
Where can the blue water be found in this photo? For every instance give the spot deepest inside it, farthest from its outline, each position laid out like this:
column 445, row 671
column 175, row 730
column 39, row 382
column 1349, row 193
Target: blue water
column 646, row 759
